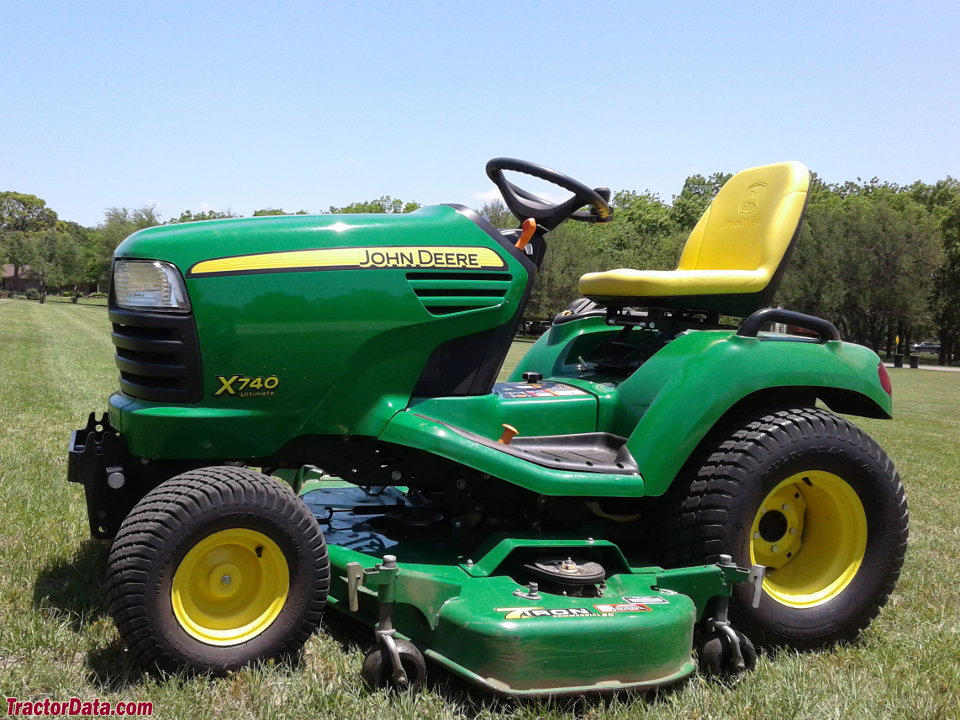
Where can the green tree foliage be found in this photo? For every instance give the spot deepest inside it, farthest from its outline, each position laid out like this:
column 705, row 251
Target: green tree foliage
column 695, row 197
column 814, row 283
column 499, row 215
column 945, row 298
column 937, row 197
column 942, row 200
column 20, row 212
column 276, row 211
column 571, row 252
column 188, row 216
column 385, row 204
column 77, row 267
column 643, row 233
column 22, row 216
column 864, row 259
column 17, row 248
column 54, row 255
column 57, row 258
column 118, row 223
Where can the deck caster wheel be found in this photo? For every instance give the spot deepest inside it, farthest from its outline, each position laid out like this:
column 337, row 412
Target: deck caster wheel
column 726, row 652
column 378, row 670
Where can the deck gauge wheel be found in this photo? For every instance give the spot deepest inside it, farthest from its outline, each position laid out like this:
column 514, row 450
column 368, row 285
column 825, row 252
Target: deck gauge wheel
column 378, row 673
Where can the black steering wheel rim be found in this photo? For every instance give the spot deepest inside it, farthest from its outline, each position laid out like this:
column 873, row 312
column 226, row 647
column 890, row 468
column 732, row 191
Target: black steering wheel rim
column 548, row 215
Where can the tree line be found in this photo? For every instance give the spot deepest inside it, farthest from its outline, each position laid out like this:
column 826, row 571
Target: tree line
column 880, row 260
column 58, row 254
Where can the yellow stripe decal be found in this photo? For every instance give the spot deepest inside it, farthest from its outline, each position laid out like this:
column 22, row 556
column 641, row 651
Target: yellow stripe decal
column 400, row 256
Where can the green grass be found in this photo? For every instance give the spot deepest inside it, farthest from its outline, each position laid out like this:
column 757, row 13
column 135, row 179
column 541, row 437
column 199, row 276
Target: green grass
column 55, row 640
column 96, row 302
column 514, row 355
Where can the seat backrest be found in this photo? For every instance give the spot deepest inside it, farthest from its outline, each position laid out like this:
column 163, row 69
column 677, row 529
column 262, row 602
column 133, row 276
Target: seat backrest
column 752, row 222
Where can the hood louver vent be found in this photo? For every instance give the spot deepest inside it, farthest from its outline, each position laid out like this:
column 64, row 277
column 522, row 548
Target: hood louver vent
column 445, row 293
column 157, row 355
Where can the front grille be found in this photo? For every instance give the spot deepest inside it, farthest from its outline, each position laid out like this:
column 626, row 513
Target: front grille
column 158, row 356
column 444, row 293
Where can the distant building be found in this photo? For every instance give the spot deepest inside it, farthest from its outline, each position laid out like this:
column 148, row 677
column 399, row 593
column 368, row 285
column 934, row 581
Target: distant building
column 20, row 283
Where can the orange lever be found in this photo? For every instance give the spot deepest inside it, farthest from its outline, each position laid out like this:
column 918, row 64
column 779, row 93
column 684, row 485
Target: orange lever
column 529, row 228
column 509, row 432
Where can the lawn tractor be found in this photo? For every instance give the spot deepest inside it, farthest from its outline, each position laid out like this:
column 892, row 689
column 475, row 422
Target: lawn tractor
column 309, row 415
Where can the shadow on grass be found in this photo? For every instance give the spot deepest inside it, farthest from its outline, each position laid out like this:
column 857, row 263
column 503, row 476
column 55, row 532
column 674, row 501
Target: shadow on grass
column 74, row 588
column 351, row 635
column 75, row 585
column 475, row 700
column 110, row 668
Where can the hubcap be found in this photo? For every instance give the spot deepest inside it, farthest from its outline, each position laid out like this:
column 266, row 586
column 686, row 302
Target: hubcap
column 810, row 532
column 230, row 587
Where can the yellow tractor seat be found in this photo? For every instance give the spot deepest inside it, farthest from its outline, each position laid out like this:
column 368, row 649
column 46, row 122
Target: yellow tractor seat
column 734, row 258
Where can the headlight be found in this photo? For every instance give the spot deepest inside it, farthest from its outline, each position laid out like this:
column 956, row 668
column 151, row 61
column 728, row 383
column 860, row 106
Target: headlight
column 149, row 285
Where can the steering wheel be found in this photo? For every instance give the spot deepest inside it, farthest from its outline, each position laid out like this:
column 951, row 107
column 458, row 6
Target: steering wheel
column 548, row 215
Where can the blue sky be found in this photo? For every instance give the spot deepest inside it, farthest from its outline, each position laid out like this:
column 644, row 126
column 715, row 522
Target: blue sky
column 246, row 105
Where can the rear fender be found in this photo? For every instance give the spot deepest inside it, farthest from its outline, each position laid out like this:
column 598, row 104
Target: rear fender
column 672, row 401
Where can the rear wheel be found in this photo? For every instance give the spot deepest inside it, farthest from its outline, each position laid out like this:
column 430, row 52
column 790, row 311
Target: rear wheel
column 216, row 568
column 810, row 497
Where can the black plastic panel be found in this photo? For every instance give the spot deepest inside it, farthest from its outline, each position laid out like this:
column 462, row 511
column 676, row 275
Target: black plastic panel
column 597, row 452
column 158, row 356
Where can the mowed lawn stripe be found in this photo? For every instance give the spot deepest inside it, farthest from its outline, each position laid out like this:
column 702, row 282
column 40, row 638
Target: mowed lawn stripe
column 49, row 359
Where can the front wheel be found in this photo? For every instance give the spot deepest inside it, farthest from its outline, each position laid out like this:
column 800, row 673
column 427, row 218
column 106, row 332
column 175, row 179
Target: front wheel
column 813, row 499
column 217, row 568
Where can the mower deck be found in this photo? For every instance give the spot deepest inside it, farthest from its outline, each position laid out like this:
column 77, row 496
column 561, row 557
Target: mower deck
column 479, row 614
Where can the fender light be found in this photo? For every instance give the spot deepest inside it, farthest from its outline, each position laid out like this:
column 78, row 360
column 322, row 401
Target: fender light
column 885, row 378
column 149, row 285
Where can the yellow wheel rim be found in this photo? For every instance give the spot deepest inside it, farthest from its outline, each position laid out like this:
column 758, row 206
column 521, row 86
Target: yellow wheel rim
column 811, row 533
column 230, row 587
